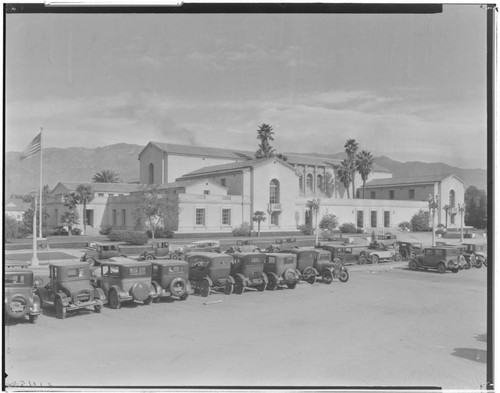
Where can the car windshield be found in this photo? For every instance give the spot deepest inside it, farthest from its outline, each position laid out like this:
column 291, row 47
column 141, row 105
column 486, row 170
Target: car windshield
column 175, row 269
column 137, row 270
column 288, row 260
column 14, row 279
column 76, row 272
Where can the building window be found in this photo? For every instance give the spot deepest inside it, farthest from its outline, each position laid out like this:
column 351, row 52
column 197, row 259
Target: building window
column 120, row 194
column 206, row 192
column 452, row 199
column 301, row 185
column 200, row 216
column 387, row 219
column 100, row 194
column 452, row 219
column 275, row 218
column 309, row 180
column 113, row 217
column 111, row 195
column 151, row 173
column 274, row 191
column 360, row 220
column 226, row 216
column 357, row 194
column 124, row 217
column 391, row 194
column 373, row 219
column 411, row 194
column 372, row 195
column 319, row 183
column 223, row 182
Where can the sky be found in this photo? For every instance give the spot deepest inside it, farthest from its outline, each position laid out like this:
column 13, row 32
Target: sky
column 410, row 87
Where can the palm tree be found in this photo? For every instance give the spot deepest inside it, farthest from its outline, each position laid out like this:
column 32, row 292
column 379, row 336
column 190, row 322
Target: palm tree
column 259, row 216
column 85, row 195
column 106, row 176
column 351, row 148
column 364, row 165
column 313, row 206
column 265, row 135
column 344, row 174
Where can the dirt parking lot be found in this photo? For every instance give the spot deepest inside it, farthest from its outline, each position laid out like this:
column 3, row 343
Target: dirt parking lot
column 385, row 326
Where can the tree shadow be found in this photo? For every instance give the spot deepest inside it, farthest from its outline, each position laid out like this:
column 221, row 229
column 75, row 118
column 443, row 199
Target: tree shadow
column 478, row 355
column 482, row 337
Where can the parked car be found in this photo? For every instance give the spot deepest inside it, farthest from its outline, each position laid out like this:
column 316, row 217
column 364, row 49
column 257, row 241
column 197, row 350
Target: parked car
column 379, row 252
column 19, row 299
column 247, row 270
column 387, row 239
column 98, row 252
column 410, row 250
column 207, row 245
column 329, row 270
column 346, row 254
column 281, row 269
column 157, row 248
column 441, row 258
column 210, row 270
column 305, row 263
column 476, row 254
column 244, row 248
column 126, row 280
column 70, row 289
column 170, row 279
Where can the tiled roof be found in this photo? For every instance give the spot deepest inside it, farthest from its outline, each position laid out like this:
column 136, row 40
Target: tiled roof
column 233, row 166
column 410, row 180
column 104, row 187
column 202, row 151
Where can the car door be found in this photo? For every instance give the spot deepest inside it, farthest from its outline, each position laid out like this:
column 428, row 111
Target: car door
column 105, row 276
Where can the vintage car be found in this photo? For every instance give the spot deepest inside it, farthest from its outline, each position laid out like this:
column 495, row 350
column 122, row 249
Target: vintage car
column 409, row 249
column 476, row 254
column 170, row 279
column 247, row 270
column 245, row 248
column 346, row 254
column 98, row 252
column 306, row 258
column 281, row 269
column 378, row 252
column 70, row 289
column 126, row 280
column 20, row 301
column 210, row 270
column 207, row 245
column 441, row 258
column 387, row 239
column 157, row 248
column 329, row 270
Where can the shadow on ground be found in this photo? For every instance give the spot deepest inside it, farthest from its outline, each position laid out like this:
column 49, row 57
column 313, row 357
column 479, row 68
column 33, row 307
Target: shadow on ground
column 478, row 355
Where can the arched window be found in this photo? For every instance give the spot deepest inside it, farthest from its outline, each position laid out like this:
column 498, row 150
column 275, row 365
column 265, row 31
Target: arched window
column 309, row 180
column 151, row 174
column 319, row 183
column 274, row 191
column 452, row 198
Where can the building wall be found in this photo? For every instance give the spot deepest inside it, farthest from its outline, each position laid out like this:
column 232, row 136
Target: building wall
column 234, row 182
column 152, row 155
column 179, row 165
column 402, row 193
column 448, row 184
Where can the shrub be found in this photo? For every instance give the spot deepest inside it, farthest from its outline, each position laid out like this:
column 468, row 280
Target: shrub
column 420, row 221
column 60, row 231
column 306, row 229
column 349, row 227
column 11, row 228
column 105, row 231
column 76, row 231
column 404, row 226
column 360, row 230
column 129, row 237
column 161, row 233
column 243, row 230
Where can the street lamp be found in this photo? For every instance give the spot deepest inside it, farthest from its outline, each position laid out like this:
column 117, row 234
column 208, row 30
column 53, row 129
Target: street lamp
column 461, row 210
column 433, row 206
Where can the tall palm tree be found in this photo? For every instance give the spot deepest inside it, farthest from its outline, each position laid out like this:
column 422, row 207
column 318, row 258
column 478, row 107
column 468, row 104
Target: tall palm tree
column 344, row 174
column 364, row 165
column 85, row 195
column 351, row 148
column 106, row 176
column 259, row 216
column 265, row 135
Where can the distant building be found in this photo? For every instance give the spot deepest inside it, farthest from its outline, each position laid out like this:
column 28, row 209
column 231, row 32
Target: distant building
column 15, row 208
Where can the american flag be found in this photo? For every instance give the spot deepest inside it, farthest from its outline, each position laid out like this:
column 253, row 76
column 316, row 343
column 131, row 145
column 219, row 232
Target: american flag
column 34, row 147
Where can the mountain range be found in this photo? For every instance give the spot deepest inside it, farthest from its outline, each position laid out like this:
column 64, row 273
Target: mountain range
column 78, row 164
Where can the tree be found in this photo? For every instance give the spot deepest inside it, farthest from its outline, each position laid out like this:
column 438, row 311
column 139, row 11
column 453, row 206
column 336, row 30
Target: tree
column 328, row 223
column 420, row 221
column 476, row 208
column 265, row 135
column 70, row 200
column 157, row 209
column 351, row 148
column 344, row 174
column 313, row 206
column 106, row 176
column 259, row 216
column 84, row 195
column 70, row 219
column 11, row 228
column 364, row 165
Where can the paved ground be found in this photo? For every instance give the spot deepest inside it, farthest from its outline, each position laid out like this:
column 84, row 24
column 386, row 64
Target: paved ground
column 386, row 326
column 45, row 256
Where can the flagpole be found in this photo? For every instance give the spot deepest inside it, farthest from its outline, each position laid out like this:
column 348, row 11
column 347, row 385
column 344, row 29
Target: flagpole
column 41, row 184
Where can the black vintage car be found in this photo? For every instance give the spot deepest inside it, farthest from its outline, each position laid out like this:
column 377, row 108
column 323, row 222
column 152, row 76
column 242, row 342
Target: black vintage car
column 19, row 299
column 247, row 270
column 410, row 250
column 306, row 258
column 476, row 254
column 441, row 258
column 210, row 270
column 170, row 279
column 281, row 269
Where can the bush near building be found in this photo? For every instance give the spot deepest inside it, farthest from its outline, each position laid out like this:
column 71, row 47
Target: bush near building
column 129, row 237
column 405, row 226
column 161, row 233
column 420, row 221
column 243, row 230
column 348, row 227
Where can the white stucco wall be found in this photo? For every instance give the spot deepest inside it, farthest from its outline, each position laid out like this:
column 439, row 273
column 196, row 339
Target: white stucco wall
column 179, row 165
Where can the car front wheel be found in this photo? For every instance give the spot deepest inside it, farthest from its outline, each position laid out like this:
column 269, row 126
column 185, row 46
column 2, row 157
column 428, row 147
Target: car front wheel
column 413, row 265
column 272, row 285
column 114, row 300
column 344, row 276
column 204, row 288
column 441, row 268
column 374, row 259
column 327, row 276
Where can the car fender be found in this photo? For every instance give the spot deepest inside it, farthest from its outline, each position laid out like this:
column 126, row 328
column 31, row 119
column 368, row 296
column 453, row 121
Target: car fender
column 118, row 291
column 98, row 293
column 36, row 305
column 65, row 300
